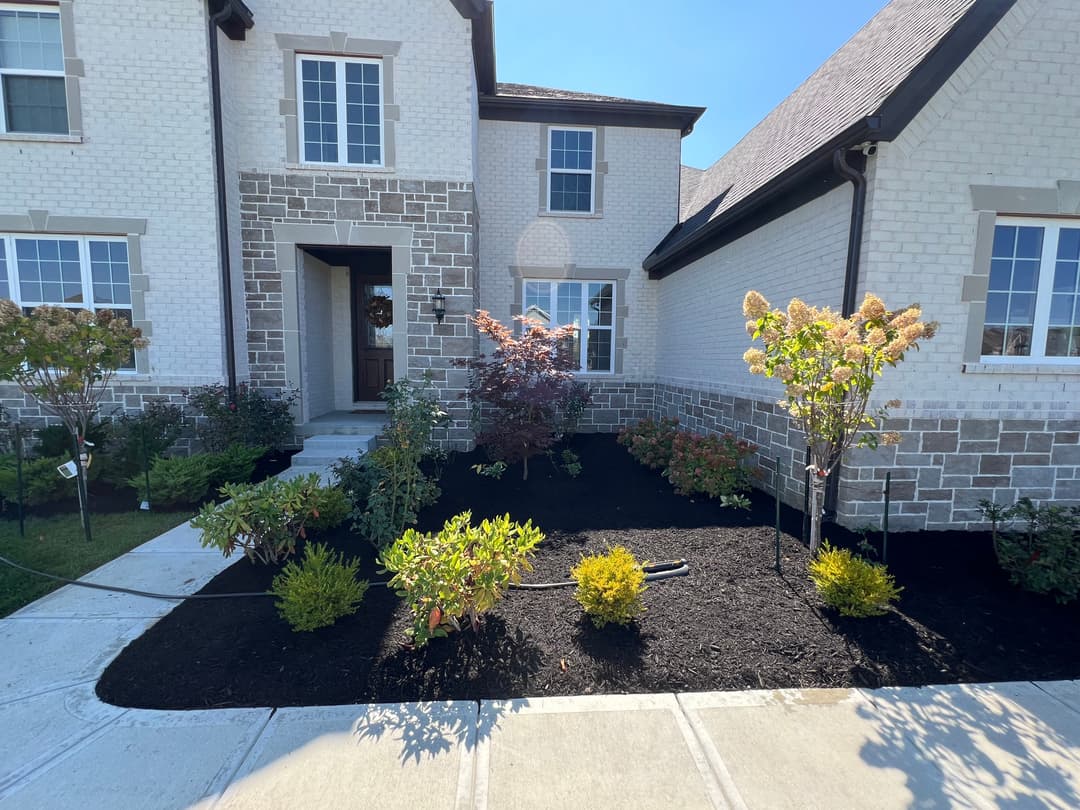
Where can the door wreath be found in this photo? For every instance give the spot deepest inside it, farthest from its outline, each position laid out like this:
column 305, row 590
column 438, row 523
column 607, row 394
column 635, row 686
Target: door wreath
column 380, row 311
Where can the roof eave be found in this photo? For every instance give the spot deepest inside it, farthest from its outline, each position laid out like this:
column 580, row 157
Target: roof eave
column 662, row 262
column 233, row 17
column 579, row 111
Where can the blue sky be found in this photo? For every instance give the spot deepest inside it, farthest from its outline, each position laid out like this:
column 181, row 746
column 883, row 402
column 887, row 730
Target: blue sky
column 739, row 58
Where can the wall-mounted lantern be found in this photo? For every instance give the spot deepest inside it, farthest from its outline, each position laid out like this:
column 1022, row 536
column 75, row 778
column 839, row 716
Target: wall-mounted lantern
column 438, row 305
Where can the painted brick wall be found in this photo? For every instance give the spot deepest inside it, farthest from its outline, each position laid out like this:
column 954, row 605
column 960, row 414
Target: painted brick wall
column 318, row 327
column 146, row 153
column 433, row 80
column 640, row 205
column 1008, row 117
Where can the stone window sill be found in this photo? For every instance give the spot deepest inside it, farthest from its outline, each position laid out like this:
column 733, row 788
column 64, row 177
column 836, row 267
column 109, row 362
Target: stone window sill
column 30, row 137
column 1021, row 368
column 570, row 215
column 328, row 168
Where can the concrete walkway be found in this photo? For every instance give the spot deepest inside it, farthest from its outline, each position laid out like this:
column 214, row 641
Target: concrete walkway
column 1014, row 745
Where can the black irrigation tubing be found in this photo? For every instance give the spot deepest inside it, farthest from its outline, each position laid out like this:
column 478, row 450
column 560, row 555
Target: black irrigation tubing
column 655, row 572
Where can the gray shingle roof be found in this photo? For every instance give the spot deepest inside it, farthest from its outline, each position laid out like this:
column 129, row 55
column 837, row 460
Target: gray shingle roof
column 854, row 83
column 689, row 181
column 533, row 91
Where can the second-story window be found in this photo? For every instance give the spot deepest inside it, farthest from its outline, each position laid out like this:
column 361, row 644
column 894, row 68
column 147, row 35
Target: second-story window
column 340, row 114
column 571, row 166
column 33, row 98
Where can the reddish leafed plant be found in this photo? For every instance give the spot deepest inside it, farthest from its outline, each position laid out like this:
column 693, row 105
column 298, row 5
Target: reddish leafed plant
column 525, row 388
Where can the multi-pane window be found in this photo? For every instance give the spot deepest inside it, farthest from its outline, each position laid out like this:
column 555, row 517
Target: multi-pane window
column 571, row 166
column 589, row 306
column 1033, row 300
column 83, row 272
column 340, row 110
column 33, row 98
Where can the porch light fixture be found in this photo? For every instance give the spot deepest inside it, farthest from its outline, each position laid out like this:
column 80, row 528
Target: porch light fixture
column 438, row 306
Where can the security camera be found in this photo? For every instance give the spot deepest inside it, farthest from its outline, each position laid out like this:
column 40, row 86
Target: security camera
column 869, row 149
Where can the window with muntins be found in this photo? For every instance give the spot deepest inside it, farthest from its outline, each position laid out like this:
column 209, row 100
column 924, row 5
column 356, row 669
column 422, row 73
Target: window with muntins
column 1033, row 298
column 588, row 306
column 33, row 96
column 78, row 272
column 571, row 166
column 340, row 110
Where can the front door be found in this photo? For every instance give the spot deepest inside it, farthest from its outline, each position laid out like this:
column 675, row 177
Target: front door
column 373, row 335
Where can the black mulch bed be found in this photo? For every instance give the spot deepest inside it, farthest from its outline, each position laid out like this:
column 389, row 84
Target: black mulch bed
column 732, row 624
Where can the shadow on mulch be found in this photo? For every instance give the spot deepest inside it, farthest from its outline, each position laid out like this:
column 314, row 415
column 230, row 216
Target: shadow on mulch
column 733, row 623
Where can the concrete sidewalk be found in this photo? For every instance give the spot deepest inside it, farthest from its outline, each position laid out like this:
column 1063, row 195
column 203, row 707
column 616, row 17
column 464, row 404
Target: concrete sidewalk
column 1013, row 745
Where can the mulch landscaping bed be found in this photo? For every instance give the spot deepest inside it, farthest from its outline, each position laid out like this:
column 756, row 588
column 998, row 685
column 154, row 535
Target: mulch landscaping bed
column 734, row 623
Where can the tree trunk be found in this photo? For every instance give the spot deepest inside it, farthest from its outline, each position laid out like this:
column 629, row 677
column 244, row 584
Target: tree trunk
column 817, row 501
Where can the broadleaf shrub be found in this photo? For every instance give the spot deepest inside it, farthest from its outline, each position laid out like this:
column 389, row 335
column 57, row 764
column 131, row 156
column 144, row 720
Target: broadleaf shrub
column 525, row 391
column 122, row 451
column 454, row 576
column 265, row 520
column 254, row 418
column 710, row 465
column 1038, row 546
column 609, row 586
column 850, row 584
column 319, row 590
column 650, row 441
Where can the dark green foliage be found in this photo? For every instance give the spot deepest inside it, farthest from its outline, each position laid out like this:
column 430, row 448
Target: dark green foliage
column 320, row 590
column 180, row 481
column 56, row 440
column 234, row 465
column 356, row 477
column 42, row 484
column 254, row 419
column 1038, row 546
column 122, row 453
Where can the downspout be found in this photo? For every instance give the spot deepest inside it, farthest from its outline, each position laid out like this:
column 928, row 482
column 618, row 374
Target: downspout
column 222, row 200
column 851, row 281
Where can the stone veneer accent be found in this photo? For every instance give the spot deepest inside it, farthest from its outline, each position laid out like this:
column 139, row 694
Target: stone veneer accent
column 443, row 222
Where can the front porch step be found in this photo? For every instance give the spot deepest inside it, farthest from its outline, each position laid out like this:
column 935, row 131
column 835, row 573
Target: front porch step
column 345, row 424
column 323, row 450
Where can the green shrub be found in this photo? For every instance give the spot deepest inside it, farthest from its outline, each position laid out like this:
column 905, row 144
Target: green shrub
column 179, row 481
column 401, row 488
column 650, row 441
column 331, row 508
column 264, row 520
column 1042, row 553
column 320, row 590
column 460, row 573
column 253, row 419
column 355, row 477
column 122, row 453
column 850, row 584
column 233, row 465
column 42, row 484
column 609, row 586
column 710, row 465
column 54, row 441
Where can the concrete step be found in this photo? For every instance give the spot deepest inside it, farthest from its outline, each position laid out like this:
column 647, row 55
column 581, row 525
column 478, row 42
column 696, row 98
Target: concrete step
column 325, row 449
column 341, row 423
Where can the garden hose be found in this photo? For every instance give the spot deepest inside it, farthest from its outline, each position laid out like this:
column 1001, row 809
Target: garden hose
column 653, row 573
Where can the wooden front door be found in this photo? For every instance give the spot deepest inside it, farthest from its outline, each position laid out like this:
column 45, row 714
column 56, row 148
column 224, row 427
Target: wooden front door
column 373, row 335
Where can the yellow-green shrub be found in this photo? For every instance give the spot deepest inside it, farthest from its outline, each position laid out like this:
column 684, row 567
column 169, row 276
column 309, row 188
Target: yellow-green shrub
column 610, row 586
column 320, row 590
column 850, row 584
column 332, row 506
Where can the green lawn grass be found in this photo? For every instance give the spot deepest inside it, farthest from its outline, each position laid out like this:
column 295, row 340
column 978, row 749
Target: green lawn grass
column 57, row 545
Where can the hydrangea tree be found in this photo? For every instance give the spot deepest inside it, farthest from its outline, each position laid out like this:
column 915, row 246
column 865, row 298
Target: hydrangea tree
column 65, row 359
column 828, row 365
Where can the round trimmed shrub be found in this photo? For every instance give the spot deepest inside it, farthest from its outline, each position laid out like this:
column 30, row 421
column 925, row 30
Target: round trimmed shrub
column 852, row 585
column 320, row 590
column 610, row 586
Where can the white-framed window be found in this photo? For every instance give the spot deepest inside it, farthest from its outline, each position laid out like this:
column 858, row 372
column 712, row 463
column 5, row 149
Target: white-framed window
column 589, row 306
column 571, row 169
column 1033, row 299
column 33, row 95
column 340, row 110
column 78, row 272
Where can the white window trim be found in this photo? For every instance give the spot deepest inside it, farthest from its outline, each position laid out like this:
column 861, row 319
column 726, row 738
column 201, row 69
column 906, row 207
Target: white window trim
column 342, row 111
column 9, row 270
column 55, row 74
column 553, row 171
column 1051, row 229
column 584, row 327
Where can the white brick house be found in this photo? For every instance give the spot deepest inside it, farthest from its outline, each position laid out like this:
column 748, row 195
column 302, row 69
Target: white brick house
column 264, row 189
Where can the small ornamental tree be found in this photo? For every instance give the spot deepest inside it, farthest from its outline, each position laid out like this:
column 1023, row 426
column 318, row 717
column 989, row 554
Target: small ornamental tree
column 828, row 365
column 528, row 387
column 65, row 359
